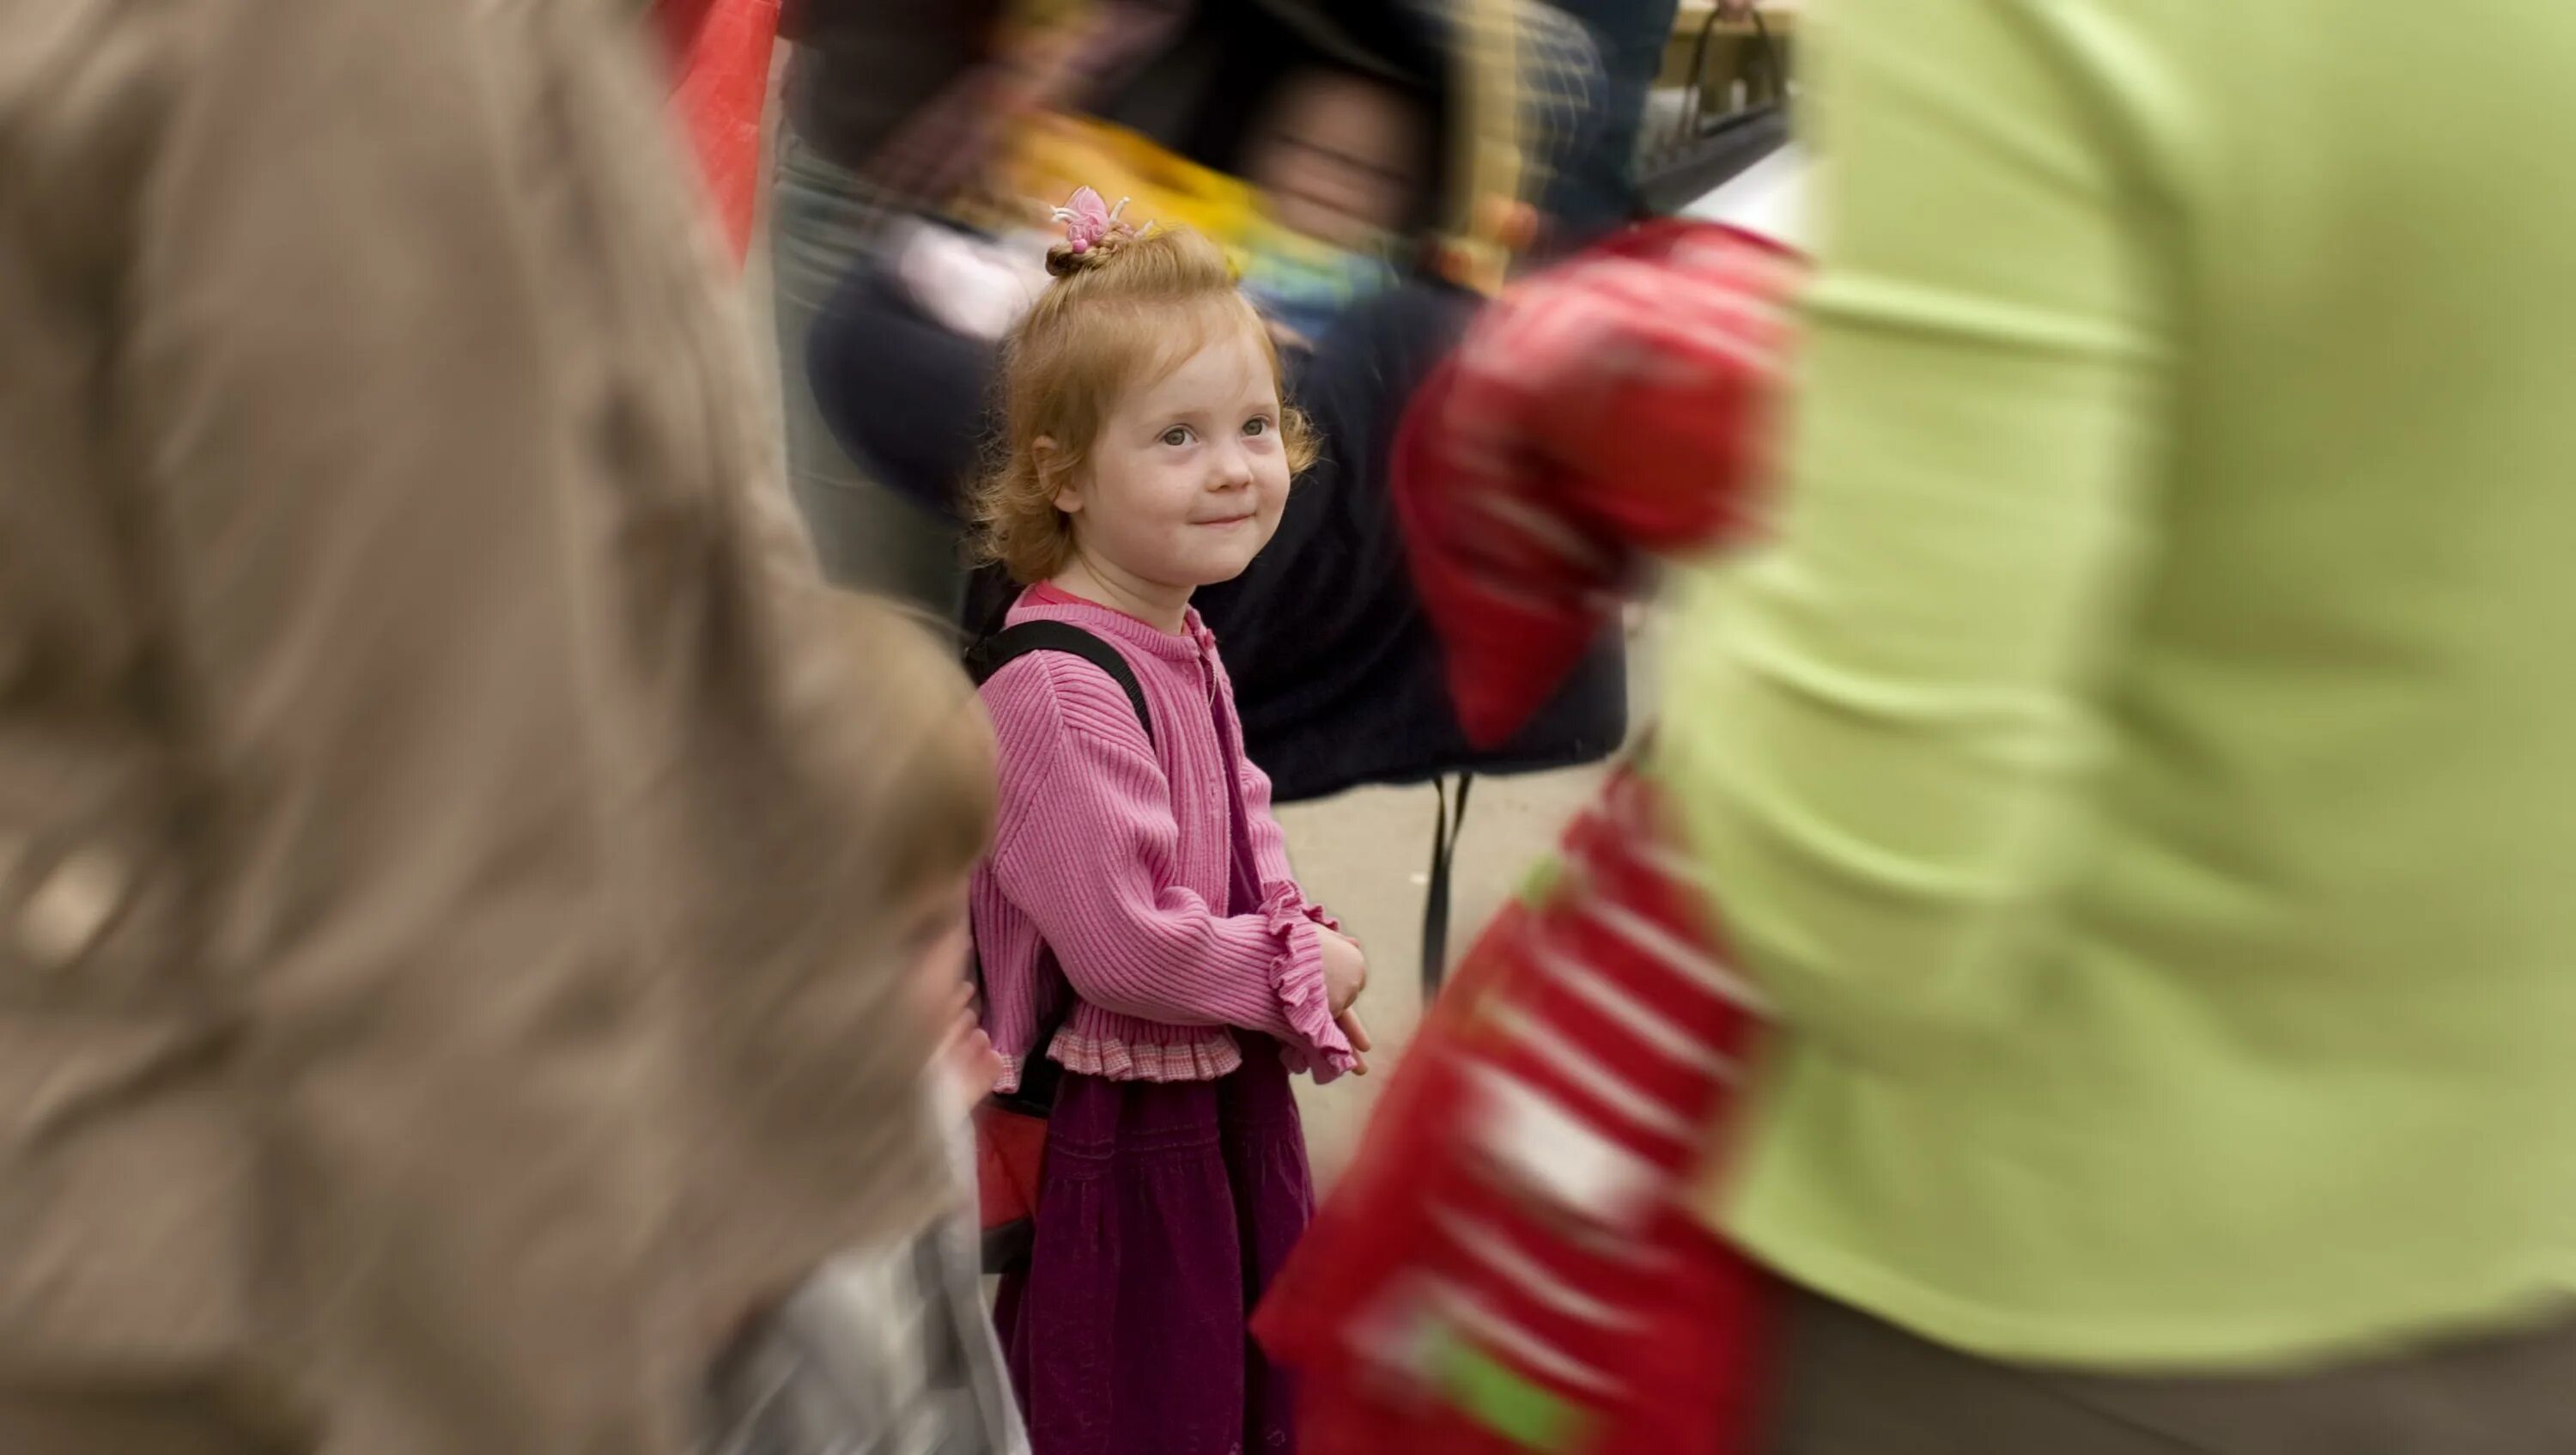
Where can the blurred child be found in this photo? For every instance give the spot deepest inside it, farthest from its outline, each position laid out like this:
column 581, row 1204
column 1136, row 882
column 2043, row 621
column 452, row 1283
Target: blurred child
column 1138, row 921
column 886, row 1348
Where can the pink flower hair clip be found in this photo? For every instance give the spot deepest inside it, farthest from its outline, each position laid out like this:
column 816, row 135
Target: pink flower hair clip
column 1088, row 220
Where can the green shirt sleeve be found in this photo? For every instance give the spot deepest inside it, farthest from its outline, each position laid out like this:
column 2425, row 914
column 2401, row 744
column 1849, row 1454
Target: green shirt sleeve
column 1877, row 727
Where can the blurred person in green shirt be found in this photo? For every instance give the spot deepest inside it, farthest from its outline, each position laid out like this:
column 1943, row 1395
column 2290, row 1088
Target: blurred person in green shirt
column 2144, row 768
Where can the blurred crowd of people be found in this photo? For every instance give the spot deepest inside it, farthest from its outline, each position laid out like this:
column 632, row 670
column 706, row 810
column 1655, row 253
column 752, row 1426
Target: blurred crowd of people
column 557, row 898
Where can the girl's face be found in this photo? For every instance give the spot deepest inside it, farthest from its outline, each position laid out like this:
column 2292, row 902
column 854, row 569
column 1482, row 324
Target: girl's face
column 1187, row 479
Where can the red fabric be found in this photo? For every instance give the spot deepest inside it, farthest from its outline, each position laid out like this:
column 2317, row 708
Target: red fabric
column 1601, row 412
column 720, row 82
column 1413, row 1229
column 1009, row 1149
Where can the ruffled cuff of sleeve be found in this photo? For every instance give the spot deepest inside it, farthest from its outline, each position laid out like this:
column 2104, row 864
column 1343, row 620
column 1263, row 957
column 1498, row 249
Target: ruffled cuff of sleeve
column 1315, row 913
column 1318, row 1048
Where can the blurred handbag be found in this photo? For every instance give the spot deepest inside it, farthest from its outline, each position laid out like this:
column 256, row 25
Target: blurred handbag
column 1711, row 147
column 1010, row 1151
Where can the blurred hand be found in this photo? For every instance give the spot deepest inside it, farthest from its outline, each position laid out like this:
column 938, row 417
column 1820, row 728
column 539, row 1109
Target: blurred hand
column 945, row 145
column 966, row 1055
column 1345, row 970
column 935, row 948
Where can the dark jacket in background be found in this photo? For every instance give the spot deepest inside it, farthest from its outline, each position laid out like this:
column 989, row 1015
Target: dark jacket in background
column 1351, row 684
column 862, row 68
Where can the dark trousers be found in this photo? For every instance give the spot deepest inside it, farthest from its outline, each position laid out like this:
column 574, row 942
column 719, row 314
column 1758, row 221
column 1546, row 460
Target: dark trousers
column 1858, row 1386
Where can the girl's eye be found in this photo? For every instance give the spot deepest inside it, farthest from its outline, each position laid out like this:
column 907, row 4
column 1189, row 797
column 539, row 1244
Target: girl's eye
column 1177, row 435
column 1256, row 427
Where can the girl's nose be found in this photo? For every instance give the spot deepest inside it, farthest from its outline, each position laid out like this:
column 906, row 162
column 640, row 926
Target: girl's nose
column 1232, row 468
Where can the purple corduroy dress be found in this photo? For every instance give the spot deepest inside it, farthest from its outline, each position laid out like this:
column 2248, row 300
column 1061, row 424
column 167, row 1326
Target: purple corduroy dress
column 1163, row 1212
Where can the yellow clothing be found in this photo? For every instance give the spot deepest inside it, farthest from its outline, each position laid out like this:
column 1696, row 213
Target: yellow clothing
column 2145, row 768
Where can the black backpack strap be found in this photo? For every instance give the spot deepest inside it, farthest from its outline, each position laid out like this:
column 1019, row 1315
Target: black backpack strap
column 1011, row 643
column 1038, row 1074
column 1450, row 818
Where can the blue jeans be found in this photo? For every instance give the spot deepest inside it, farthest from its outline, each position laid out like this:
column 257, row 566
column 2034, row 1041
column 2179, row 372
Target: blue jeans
column 823, row 219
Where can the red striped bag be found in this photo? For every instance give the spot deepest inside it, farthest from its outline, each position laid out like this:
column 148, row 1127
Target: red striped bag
column 1510, row 1264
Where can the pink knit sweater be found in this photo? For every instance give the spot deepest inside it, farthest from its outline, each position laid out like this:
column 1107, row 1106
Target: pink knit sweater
column 1109, row 878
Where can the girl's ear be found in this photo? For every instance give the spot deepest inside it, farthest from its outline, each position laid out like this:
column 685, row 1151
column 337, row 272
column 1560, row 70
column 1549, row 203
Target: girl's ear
column 1048, row 458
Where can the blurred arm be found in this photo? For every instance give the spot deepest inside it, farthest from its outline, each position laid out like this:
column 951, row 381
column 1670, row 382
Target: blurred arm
column 1116, row 35
column 1875, row 730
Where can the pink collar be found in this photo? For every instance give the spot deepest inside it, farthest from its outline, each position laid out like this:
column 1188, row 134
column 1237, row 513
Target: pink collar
column 1192, row 640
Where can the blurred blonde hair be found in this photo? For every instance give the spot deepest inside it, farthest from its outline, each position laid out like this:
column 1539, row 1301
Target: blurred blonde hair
column 875, row 780
column 1120, row 315
column 904, row 723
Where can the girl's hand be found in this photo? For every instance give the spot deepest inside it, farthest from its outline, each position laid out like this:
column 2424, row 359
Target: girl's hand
column 936, row 947
column 1357, row 1033
column 966, row 1054
column 1345, row 971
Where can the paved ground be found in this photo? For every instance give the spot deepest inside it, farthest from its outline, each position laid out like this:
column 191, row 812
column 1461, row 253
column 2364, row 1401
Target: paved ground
column 1365, row 855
